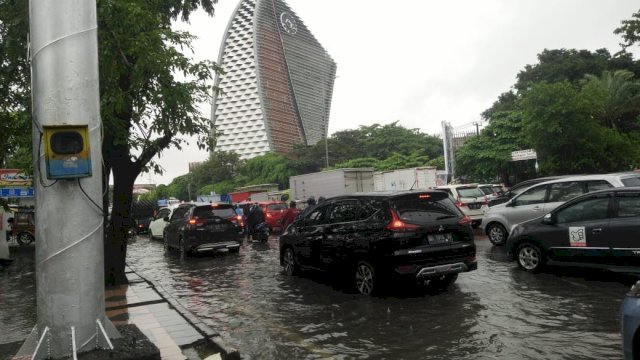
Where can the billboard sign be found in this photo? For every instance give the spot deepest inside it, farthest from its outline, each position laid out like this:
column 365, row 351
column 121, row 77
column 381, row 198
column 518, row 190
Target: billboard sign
column 14, row 177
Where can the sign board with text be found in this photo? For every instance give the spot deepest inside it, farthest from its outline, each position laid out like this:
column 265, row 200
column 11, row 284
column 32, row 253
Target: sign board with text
column 14, row 177
column 523, row 155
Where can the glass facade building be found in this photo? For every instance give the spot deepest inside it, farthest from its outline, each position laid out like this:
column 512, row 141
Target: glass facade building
column 277, row 84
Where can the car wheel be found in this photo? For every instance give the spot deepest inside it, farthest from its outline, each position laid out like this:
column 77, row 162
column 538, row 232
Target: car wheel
column 497, row 234
column 25, row 238
column 181, row 246
column 365, row 278
column 443, row 281
column 289, row 262
column 165, row 241
column 530, row 257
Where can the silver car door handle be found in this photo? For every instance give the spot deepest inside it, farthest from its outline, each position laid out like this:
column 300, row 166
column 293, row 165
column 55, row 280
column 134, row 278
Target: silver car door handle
column 537, row 208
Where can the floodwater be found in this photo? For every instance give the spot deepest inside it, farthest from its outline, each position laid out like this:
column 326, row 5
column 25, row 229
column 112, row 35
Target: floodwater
column 496, row 312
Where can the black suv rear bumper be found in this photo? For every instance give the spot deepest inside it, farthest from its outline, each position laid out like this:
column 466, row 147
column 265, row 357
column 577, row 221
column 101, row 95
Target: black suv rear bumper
column 426, row 271
column 454, row 268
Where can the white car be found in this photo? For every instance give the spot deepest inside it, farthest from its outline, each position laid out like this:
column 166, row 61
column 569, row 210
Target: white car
column 158, row 223
column 469, row 199
column 541, row 198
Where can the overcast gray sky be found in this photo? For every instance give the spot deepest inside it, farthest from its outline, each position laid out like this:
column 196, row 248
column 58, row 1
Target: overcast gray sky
column 422, row 62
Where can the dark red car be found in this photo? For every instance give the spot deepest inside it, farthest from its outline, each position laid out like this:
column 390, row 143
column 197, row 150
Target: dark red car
column 273, row 211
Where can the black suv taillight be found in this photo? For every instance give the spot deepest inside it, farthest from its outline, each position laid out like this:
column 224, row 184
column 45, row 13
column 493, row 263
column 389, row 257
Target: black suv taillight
column 396, row 224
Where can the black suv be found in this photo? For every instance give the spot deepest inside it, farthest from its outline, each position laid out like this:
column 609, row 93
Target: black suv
column 371, row 238
column 203, row 227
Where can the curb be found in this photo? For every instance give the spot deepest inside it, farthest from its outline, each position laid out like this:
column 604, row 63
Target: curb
column 227, row 352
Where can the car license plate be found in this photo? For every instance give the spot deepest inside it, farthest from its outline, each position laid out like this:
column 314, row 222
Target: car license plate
column 435, row 239
column 475, row 206
column 217, row 227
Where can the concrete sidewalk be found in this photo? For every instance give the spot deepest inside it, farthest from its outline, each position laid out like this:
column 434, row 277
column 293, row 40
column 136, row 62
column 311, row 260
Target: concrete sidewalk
column 174, row 330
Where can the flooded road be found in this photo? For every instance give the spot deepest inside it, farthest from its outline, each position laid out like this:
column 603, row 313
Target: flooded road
column 496, row 312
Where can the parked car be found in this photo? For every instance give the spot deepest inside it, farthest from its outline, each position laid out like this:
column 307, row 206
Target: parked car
column 23, row 226
column 520, row 187
column 372, row 238
column 203, row 227
column 630, row 323
column 273, row 212
column 471, row 200
column 599, row 229
column 544, row 197
column 160, row 220
column 491, row 191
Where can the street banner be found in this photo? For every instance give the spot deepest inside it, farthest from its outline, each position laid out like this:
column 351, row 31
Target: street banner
column 14, row 177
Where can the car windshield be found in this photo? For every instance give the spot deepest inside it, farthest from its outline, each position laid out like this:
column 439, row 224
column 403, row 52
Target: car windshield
column 486, row 189
column 470, row 192
column 425, row 208
column 275, row 207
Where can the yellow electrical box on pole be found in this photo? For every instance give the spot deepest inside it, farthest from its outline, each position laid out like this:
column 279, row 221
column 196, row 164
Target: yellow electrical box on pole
column 66, row 151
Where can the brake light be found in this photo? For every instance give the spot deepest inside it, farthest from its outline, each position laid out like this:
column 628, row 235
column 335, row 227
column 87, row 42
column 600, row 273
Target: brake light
column 397, row 224
column 196, row 222
column 466, row 220
column 424, row 196
column 140, row 226
column 460, row 203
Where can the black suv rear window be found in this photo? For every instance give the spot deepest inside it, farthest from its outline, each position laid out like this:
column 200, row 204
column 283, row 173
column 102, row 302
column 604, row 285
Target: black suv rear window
column 208, row 211
column 425, row 208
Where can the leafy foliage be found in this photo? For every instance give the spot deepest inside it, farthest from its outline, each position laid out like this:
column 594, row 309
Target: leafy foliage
column 15, row 78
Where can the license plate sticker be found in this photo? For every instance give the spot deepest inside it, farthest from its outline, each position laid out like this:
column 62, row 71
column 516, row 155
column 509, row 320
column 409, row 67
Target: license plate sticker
column 439, row 238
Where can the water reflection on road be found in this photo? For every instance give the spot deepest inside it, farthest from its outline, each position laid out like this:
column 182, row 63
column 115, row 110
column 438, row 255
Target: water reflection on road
column 497, row 312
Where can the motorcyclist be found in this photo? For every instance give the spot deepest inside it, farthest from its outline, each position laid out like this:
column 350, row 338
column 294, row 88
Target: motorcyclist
column 255, row 217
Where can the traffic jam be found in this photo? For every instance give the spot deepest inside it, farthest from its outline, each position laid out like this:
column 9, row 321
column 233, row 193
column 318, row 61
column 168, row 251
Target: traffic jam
column 383, row 242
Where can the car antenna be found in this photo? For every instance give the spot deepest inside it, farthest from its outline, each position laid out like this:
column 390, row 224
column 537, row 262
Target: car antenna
column 414, row 184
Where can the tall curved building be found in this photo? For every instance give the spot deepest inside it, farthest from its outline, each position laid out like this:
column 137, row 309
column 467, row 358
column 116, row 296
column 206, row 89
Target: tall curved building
column 277, row 83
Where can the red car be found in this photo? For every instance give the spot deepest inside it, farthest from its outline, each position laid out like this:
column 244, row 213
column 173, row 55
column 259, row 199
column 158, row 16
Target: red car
column 273, row 212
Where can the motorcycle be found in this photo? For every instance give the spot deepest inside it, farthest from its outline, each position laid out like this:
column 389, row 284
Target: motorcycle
column 261, row 232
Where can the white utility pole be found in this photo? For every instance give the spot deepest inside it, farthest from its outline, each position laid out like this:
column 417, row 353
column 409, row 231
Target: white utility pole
column 69, row 238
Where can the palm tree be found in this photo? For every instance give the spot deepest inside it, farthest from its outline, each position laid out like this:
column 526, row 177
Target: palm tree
column 617, row 96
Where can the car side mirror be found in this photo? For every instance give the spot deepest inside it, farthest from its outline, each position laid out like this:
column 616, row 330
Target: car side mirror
column 548, row 219
column 166, row 218
column 510, row 203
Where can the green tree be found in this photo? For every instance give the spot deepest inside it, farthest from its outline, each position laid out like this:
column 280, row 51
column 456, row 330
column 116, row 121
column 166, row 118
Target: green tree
column 616, row 99
column 558, row 122
column 487, row 157
column 630, row 31
column 269, row 168
column 221, row 166
column 15, row 79
column 145, row 107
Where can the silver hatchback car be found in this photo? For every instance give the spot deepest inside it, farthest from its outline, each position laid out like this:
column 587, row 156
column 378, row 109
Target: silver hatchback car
column 541, row 198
